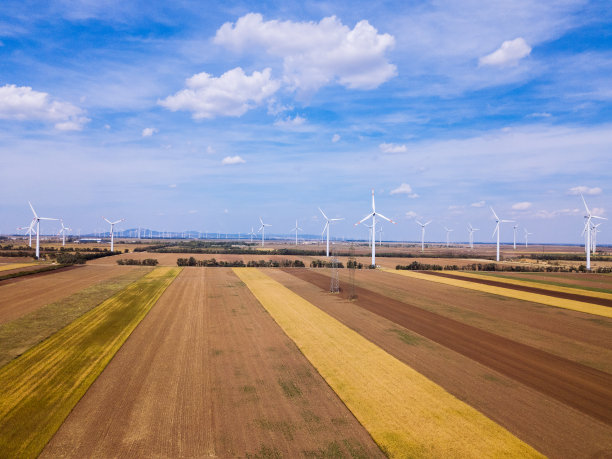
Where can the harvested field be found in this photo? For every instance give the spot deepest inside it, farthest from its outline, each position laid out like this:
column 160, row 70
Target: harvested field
column 550, row 426
column 209, row 373
column 41, row 387
column 15, row 266
column 581, row 387
column 406, row 414
column 26, row 294
column 576, row 280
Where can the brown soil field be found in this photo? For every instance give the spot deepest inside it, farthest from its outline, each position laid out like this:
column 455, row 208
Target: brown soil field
column 209, row 373
column 10, row 260
column 548, row 425
column 524, row 288
column 583, row 388
column 570, row 334
column 23, row 269
column 25, row 294
column 573, row 279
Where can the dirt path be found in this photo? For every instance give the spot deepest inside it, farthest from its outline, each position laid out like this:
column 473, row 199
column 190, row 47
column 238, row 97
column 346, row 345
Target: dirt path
column 26, row 294
column 578, row 386
column 548, row 425
column 209, row 373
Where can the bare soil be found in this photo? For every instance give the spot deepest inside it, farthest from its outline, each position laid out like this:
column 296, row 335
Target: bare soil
column 209, row 373
column 549, row 425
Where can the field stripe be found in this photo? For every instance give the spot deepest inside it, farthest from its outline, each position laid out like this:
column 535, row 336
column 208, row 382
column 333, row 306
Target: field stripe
column 535, row 284
column 406, row 414
column 40, row 388
column 15, row 266
column 580, row 306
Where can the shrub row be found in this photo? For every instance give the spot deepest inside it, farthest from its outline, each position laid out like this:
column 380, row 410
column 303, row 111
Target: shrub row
column 132, row 261
column 191, row 261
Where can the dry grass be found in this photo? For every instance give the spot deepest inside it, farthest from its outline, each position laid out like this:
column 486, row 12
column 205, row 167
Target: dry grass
column 579, row 306
column 40, row 388
column 15, row 266
column 406, row 414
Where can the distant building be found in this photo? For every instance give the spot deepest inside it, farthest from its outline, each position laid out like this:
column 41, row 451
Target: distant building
column 88, row 241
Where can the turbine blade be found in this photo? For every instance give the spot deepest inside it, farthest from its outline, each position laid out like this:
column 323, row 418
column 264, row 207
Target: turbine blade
column 364, row 219
column 585, row 205
column 324, row 216
column 107, row 220
column 388, row 219
column 33, row 211
column 428, row 222
column 373, row 205
column 600, row 218
column 496, row 229
column 419, row 223
column 496, row 217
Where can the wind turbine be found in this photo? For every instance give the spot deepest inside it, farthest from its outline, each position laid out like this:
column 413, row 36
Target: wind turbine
column 252, row 233
column 380, row 231
column 373, row 215
column 496, row 230
column 594, row 237
column 471, row 229
column 369, row 235
column 112, row 231
column 328, row 222
column 423, row 225
column 30, row 230
column 527, row 233
column 448, row 231
column 38, row 219
column 587, row 231
column 514, row 228
column 263, row 230
column 296, row 229
column 63, row 232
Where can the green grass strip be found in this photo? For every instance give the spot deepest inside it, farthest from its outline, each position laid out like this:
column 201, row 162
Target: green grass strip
column 19, row 335
column 40, row 388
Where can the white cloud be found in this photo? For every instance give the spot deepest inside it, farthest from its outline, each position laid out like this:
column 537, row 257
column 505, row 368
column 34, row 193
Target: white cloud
column 193, row 211
column 290, row 122
column 540, row 115
column 599, row 211
column 23, row 103
column 585, row 190
column 411, row 214
column 478, row 204
column 148, row 132
column 231, row 94
column 232, row 160
column 392, row 148
column 404, row 188
column 509, row 53
column 521, row 206
column 335, row 138
column 556, row 213
column 316, row 54
column 210, row 150
column 173, row 185
column 225, row 211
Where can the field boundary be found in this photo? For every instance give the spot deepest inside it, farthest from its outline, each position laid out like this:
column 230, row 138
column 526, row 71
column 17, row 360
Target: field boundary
column 406, row 413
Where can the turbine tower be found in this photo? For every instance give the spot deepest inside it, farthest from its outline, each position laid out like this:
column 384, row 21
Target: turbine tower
column 296, row 229
column 63, row 232
column 328, row 222
column 37, row 219
column 373, row 215
column 262, row 228
column 496, row 230
column 380, row 231
column 587, row 232
column 595, row 230
column 527, row 233
column 112, row 231
column 423, row 225
column 471, row 229
column 448, row 231
column 514, row 228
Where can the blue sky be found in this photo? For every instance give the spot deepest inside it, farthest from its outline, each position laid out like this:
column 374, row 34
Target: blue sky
column 203, row 116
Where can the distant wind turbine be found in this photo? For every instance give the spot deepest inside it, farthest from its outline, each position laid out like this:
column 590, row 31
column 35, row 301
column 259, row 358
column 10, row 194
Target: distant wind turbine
column 496, row 230
column 38, row 219
column 423, row 225
column 112, row 231
column 471, row 229
column 328, row 222
column 373, row 215
column 296, row 229
column 527, row 234
column 448, row 231
column 30, row 230
column 262, row 228
column 514, row 228
column 587, row 232
column 595, row 230
column 252, row 233
column 63, row 232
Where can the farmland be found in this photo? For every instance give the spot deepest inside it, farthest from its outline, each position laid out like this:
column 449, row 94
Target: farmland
column 265, row 362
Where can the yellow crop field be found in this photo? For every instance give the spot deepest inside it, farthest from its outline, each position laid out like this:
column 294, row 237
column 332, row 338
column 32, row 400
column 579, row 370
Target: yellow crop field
column 407, row 414
column 14, row 266
column 580, row 306
column 40, row 388
column 525, row 283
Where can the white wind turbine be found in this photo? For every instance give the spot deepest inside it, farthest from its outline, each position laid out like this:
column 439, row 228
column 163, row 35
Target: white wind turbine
column 63, row 232
column 328, row 222
column 37, row 219
column 262, row 228
column 514, row 228
column 496, row 230
column 594, row 237
column 296, row 229
column 423, row 225
column 252, row 233
column 112, row 231
column 587, row 231
column 527, row 234
column 30, row 230
column 369, row 235
column 448, row 231
column 380, row 231
column 472, row 230
column 373, row 215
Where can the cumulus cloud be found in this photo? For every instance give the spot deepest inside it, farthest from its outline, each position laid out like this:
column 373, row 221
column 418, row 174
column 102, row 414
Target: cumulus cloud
column 392, row 148
column 509, row 53
column 316, row 54
column 148, row 132
column 478, row 204
column 290, row 122
column 556, row 213
column 23, row 103
column 335, row 138
column 231, row 94
column 585, row 190
column 521, row 206
column 232, row 160
column 404, row 188
column 411, row 214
